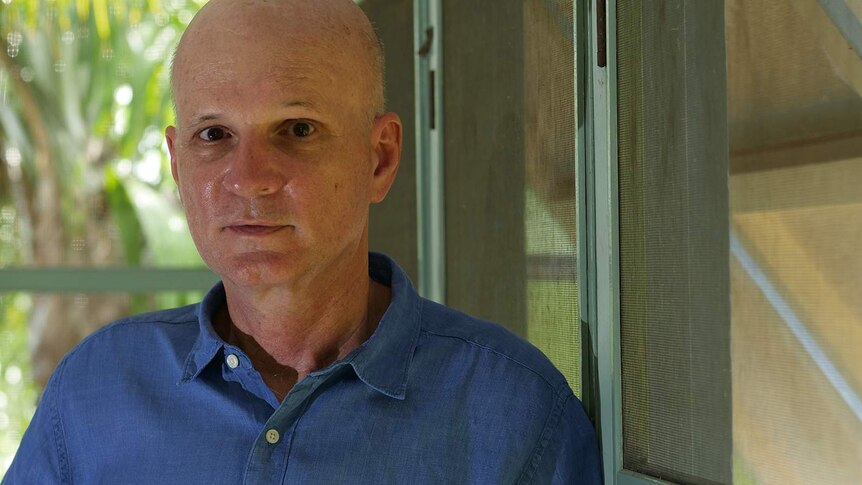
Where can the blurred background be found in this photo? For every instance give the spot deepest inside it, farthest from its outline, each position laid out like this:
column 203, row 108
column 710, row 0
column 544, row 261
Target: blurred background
column 84, row 178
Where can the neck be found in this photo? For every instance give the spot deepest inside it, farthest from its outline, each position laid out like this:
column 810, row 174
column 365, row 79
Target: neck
column 289, row 332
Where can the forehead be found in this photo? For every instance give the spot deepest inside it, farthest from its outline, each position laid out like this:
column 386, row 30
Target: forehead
column 248, row 58
column 256, row 73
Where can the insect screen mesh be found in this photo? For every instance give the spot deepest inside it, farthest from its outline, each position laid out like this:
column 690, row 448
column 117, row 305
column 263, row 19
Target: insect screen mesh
column 510, row 126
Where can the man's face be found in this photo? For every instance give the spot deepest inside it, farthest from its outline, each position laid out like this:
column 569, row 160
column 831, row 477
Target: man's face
column 274, row 155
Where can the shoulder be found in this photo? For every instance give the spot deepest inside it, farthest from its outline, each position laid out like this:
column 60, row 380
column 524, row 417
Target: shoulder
column 511, row 393
column 99, row 381
column 173, row 316
column 166, row 335
column 496, row 345
column 175, row 321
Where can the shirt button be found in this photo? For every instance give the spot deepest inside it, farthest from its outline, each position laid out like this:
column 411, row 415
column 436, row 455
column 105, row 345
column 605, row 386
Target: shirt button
column 272, row 436
column 232, row 361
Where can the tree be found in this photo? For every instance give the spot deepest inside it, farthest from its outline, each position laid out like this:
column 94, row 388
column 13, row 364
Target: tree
column 84, row 98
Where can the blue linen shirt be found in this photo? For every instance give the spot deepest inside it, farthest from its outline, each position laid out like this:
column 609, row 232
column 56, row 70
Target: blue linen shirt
column 434, row 396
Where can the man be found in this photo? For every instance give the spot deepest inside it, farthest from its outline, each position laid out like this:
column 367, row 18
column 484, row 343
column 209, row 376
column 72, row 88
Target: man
column 312, row 362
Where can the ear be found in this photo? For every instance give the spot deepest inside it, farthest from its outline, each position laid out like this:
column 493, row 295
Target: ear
column 386, row 154
column 171, row 138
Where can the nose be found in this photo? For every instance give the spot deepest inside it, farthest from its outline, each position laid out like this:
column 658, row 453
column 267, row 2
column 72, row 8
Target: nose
column 254, row 171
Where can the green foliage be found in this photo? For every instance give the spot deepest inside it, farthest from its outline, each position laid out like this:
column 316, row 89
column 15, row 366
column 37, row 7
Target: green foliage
column 17, row 394
column 124, row 217
column 84, row 99
column 84, row 84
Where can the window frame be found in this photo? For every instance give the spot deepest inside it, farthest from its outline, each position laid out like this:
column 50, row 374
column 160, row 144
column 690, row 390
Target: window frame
column 92, row 279
column 601, row 166
column 430, row 176
column 599, row 220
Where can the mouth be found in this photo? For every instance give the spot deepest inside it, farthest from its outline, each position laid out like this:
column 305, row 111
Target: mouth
column 255, row 229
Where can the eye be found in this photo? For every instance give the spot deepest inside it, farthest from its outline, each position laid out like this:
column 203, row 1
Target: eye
column 212, row 134
column 301, row 129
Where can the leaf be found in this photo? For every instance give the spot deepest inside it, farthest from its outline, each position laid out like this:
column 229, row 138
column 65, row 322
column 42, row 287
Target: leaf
column 164, row 226
column 124, row 218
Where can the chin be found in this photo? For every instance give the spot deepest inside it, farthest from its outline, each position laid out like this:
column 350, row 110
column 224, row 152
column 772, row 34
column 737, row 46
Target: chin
column 257, row 269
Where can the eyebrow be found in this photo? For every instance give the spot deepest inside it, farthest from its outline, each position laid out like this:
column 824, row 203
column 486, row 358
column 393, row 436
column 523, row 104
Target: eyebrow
column 287, row 104
column 201, row 118
column 302, row 104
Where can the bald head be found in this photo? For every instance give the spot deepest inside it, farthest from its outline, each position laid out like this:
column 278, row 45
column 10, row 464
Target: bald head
column 332, row 36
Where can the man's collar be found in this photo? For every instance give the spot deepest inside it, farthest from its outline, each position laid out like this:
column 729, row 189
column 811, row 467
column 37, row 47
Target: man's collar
column 208, row 342
column 382, row 362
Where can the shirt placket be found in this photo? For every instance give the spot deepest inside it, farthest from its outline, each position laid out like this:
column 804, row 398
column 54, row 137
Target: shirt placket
column 270, row 455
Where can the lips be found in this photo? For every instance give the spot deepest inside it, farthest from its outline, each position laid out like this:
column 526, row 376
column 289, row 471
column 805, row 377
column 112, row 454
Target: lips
column 254, row 229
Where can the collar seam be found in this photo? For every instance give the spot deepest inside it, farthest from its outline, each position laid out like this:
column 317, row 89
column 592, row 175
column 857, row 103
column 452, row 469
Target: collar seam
column 399, row 391
column 396, row 386
column 538, row 374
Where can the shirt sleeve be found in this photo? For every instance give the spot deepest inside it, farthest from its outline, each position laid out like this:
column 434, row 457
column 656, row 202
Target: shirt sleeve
column 570, row 454
column 41, row 457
